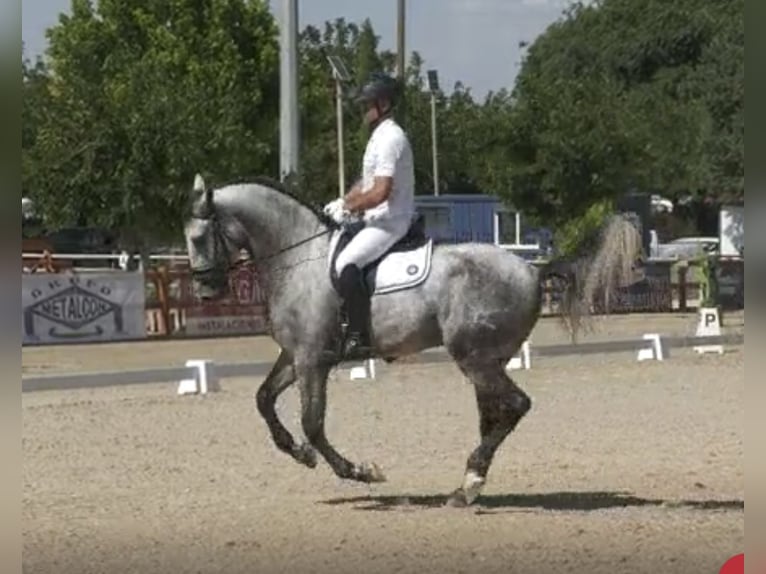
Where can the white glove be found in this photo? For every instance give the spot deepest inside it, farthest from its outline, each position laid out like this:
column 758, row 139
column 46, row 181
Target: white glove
column 336, row 211
column 334, row 206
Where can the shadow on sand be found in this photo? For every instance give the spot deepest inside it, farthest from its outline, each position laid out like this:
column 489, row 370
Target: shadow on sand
column 554, row 501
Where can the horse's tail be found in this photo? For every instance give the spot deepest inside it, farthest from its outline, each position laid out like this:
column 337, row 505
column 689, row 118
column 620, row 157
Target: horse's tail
column 567, row 282
column 599, row 267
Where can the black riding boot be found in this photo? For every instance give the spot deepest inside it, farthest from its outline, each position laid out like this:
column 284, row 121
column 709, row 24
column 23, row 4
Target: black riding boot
column 353, row 289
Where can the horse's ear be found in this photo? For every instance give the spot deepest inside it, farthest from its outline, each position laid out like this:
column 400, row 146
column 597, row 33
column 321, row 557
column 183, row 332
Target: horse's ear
column 200, row 189
column 199, row 184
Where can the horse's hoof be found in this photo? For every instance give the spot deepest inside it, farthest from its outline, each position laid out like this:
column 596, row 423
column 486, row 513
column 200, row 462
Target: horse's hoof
column 457, row 499
column 306, row 455
column 370, row 473
column 472, row 486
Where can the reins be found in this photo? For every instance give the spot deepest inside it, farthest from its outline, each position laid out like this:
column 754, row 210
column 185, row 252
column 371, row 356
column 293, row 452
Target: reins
column 292, row 246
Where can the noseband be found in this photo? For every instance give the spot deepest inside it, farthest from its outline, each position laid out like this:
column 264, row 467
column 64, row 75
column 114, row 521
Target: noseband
column 219, row 241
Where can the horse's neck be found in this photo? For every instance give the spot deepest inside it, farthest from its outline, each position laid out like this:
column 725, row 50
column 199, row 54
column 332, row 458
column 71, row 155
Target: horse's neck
column 272, row 221
column 285, row 238
column 294, row 265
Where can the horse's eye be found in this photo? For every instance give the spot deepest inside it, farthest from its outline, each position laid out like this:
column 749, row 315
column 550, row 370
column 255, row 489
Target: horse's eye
column 198, row 240
column 198, row 232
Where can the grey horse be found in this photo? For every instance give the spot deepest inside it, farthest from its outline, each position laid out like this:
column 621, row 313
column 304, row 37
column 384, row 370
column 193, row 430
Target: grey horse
column 479, row 301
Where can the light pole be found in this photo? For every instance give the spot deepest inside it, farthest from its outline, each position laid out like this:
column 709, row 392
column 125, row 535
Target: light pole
column 340, row 73
column 288, row 97
column 400, row 55
column 433, row 87
column 401, row 10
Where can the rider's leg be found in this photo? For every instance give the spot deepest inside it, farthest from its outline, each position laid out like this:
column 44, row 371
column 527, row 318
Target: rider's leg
column 354, row 292
column 366, row 246
column 369, row 244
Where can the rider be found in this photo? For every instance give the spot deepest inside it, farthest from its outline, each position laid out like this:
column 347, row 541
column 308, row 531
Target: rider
column 384, row 197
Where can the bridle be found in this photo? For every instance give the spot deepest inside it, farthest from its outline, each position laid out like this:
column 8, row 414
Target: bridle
column 219, row 240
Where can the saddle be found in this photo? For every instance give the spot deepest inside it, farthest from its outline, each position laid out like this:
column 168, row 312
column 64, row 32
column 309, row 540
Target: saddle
column 412, row 252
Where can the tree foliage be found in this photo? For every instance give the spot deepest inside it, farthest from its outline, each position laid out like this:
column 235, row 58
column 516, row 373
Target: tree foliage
column 136, row 96
column 141, row 95
column 620, row 96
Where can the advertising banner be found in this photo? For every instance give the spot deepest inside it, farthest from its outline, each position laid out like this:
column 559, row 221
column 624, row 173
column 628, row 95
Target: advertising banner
column 65, row 308
column 242, row 312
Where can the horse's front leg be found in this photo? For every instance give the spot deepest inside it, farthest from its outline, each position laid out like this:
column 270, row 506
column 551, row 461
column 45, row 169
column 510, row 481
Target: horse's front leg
column 313, row 388
column 282, row 375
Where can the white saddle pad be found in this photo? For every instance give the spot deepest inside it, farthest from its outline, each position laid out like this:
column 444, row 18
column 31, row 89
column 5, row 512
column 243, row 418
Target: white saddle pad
column 396, row 271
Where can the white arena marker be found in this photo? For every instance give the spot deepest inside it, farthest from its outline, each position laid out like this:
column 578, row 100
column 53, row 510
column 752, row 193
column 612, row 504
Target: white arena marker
column 522, row 359
column 655, row 351
column 366, row 371
column 188, row 387
column 709, row 325
column 204, row 380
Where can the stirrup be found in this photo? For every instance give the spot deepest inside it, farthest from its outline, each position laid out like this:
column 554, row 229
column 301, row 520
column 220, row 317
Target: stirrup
column 356, row 348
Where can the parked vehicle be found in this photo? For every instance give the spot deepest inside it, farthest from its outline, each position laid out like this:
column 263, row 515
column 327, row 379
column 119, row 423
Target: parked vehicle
column 684, row 247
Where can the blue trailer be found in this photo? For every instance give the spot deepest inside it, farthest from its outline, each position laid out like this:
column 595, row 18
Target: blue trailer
column 459, row 218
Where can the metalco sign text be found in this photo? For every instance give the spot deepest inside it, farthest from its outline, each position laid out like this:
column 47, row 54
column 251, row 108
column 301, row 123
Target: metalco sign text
column 83, row 308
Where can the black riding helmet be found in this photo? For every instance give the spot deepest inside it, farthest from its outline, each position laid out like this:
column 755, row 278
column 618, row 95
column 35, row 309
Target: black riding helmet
column 379, row 86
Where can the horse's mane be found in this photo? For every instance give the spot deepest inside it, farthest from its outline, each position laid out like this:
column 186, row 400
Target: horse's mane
column 280, row 187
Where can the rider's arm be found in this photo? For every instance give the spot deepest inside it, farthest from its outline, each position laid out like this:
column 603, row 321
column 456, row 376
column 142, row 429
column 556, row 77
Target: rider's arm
column 357, row 185
column 357, row 200
column 387, row 156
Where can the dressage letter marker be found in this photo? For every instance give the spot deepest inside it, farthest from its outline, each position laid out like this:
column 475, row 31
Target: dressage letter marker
column 655, row 352
column 366, row 371
column 709, row 325
column 204, row 380
column 521, row 360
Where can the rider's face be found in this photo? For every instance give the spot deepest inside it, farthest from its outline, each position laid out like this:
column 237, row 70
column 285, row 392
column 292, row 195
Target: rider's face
column 370, row 113
column 373, row 111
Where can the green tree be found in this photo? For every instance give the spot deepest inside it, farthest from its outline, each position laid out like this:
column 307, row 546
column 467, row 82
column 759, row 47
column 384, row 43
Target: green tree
column 136, row 97
column 619, row 96
column 34, row 107
column 140, row 96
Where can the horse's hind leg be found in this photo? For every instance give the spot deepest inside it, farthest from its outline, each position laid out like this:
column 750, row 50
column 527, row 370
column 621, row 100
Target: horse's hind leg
column 501, row 404
column 313, row 387
column 280, row 378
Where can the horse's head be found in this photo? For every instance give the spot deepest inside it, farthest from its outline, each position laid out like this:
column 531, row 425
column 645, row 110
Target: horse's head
column 209, row 244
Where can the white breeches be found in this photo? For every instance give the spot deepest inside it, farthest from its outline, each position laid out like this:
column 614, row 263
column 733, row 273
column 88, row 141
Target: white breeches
column 370, row 244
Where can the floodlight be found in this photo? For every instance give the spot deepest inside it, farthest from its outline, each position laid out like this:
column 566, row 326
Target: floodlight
column 433, row 81
column 339, row 69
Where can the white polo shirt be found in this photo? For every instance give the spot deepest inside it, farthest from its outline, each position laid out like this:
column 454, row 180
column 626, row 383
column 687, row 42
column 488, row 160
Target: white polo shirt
column 388, row 154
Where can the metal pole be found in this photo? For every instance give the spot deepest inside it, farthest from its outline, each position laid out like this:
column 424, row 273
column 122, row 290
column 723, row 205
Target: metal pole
column 400, row 39
column 434, row 149
column 341, row 155
column 400, row 59
column 288, row 96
